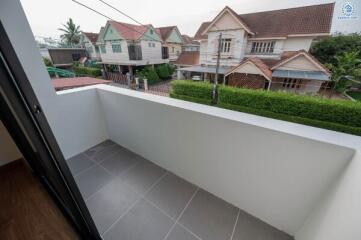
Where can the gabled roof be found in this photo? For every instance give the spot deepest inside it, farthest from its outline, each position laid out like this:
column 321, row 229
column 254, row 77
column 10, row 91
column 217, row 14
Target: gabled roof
column 293, row 55
column 188, row 58
column 189, row 40
column 93, row 37
column 130, row 31
column 308, row 20
column 267, row 73
column 234, row 14
column 101, row 33
column 165, row 32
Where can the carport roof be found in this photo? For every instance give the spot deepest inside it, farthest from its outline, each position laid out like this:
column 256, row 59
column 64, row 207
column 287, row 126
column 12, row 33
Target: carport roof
column 205, row 69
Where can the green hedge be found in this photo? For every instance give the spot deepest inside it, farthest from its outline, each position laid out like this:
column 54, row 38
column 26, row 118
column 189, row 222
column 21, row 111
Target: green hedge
column 94, row 72
column 295, row 119
column 338, row 115
column 189, row 90
column 335, row 111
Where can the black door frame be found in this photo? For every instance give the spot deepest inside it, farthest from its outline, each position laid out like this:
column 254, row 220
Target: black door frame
column 22, row 115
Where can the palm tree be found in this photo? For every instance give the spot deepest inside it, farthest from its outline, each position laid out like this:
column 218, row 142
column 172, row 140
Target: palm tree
column 71, row 34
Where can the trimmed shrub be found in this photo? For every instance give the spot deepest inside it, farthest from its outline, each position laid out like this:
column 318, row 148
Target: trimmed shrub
column 150, row 74
column 94, row 72
column 295, row 119
column 342, row 112
column 189, row 90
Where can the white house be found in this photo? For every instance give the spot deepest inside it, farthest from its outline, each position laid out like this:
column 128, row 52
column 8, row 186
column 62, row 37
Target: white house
column 127, row 46
column 88, row 40
column 273, row 42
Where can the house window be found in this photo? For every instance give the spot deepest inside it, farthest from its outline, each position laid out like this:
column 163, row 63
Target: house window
column 117, row 48
column 153, row 44
column 172, row 49
column 291, row 83
column 102, row 49
column 263, row 47
column 226, row 45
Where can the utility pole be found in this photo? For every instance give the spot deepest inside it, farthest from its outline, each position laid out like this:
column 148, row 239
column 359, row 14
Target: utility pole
column 217, row 67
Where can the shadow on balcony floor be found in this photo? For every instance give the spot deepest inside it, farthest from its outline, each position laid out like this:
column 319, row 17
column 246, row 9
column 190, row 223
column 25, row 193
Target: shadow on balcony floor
column 131, row 198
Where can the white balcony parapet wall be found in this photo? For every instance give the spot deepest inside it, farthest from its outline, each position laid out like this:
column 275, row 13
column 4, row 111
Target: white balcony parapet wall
column 266, row 167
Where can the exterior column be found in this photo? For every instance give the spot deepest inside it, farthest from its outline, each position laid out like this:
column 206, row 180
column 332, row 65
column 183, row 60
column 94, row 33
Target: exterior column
column 130, row 70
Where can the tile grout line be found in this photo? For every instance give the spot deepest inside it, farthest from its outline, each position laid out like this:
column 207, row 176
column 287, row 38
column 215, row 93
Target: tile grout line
column 115, row 177
column 131, row 206
column 235, row 224
column 189, row 231
column 95, row 163
column 181, row 214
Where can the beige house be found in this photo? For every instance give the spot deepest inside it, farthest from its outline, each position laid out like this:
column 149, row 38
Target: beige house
column 265, row 49
column 172, row 41
column 88, row 40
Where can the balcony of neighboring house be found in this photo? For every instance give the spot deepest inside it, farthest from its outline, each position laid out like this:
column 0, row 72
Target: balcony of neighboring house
column 135, row 52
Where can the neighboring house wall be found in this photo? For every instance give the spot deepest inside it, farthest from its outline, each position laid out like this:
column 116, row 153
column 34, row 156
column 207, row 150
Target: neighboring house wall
column 150, row 47
column 174, row 44
column 295, row 44
column 231, row 58
column 115, row 57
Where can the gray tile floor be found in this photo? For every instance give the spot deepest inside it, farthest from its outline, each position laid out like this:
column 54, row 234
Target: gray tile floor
column 131, row 198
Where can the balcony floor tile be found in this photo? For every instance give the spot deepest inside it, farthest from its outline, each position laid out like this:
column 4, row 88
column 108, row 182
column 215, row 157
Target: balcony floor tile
column 171, row 194
column 251, row 228
column 142, row 222
column 210, row 217
column 130, row 198
column 179, row 233
column 143, row 176
column 92, row 180
column 109, row 203
column 120, row 161
column 79, row 163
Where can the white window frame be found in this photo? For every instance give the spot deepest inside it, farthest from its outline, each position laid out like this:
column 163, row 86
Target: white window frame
column 118, row 49
column 226, row 45
column 263, row 47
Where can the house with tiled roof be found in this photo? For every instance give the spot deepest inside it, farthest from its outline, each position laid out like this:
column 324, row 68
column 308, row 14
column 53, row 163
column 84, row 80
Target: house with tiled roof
column 88, row 40
column 267, row 50
column 189, row 44
column 125, row 46
column 172, row 41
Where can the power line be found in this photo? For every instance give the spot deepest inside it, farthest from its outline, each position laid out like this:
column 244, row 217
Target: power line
column 102, row 14
column 121, row 12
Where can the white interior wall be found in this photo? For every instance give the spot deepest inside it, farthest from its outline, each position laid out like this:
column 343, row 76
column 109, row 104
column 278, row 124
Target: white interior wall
column 8, row 150
column 75, row 120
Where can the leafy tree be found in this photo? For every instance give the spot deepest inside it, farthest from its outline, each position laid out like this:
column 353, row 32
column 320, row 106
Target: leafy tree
column 346, row 71
column 326, row 49
column 71, row 33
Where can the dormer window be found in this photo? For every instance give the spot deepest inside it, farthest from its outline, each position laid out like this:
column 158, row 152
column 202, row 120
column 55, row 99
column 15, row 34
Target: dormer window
column 263, row 47
column 226, row 45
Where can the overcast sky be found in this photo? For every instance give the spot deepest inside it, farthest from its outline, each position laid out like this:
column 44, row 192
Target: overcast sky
column 46, row 16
